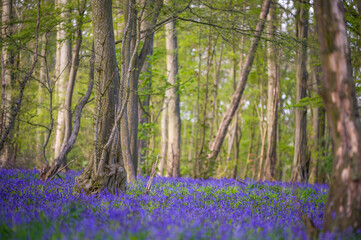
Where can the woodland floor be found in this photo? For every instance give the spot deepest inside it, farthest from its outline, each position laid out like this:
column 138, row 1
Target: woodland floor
column 175, row 209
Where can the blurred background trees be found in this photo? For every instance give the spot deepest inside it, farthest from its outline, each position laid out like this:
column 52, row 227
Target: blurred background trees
column 180, row 88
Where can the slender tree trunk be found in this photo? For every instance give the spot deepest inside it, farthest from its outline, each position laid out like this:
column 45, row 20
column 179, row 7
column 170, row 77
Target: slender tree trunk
column 343, row 206
column 273, row 96
column 301, row 157
column 250, row 154
column 174, row 120
column 214, row 112
column 43, row 79
column 72, row 77
column 164, row 138
column 234, row 130
column 191, row 147
column 7, row 61
column 62, row 74
column 143, row 108
column 216, row 146
column 128, row 83
column 318, row 127
column 210, row 54
column 129, row 123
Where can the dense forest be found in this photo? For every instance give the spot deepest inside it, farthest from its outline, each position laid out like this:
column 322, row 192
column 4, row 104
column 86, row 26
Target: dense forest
column 98, row 95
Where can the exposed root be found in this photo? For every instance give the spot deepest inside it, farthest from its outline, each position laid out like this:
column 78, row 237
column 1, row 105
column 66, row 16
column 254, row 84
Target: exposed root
column 113, row 178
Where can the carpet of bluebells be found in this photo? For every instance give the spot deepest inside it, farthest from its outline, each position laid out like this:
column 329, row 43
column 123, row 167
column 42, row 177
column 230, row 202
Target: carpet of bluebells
column 180, row 208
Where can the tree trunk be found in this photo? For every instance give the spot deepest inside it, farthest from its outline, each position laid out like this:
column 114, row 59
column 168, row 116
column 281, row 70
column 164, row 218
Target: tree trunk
column 172, row 95
column 191, row 147
column 273, row 96
column 143, row 108
column 131, row 39
column 343, row 207
column 318, row 127
column 62, row 74
column 214, row 112
column 72, row 77
column 218, row 141
column 7, row 154
column 250, row 154
column 301, row 159
column 164, row 138
column 104, row 169
column 43, row 79
column 258, row 173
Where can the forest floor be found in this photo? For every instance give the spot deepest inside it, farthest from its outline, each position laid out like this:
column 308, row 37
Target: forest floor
column 175, row 209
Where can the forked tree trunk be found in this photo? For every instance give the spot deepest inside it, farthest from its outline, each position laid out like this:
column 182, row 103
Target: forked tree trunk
column 343, row 207
column 104, row 169
column 72, row 77
column 300, row 159
column 62, row 75
column 273, row 96
column 130, row 44
column 222, row 131
column 172, row 95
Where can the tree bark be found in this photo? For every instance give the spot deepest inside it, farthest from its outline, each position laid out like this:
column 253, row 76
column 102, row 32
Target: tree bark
column 104, row 170
column 343, row 206
column 164, row 139
column 217, row 143
column 7, row 155
column 62, row 74
column 144, row 99
column 15, row 108
column 318, row 127
column 72, row 77
column 273, row 96
column 129, row 123
column 43, row 80
column 172, row 95
column 301, row 159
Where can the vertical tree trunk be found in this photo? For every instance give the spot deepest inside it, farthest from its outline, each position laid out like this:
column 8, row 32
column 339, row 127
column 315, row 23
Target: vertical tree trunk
column 191, row 147
column 164, row 138
column 343, row 207
column 204, row 125
column 43, row 79
column 214, row 112
column 104, row 170
column 258, row 173
column 174, row 120
column 72, row 77
column 143, row 118
column 62, row 75
column 129, row 123
column 301, row 159
column 250, row 154
column 7, row 59
column 318, row 127
column 218, row 141
column 273, row 96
